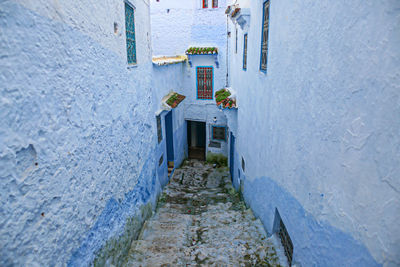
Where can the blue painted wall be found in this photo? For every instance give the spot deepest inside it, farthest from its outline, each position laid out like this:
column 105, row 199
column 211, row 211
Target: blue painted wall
column 78, row 144
column 324, row 124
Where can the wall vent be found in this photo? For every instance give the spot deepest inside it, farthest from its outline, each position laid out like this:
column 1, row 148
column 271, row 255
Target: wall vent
column 214, row 144
column 280, row 229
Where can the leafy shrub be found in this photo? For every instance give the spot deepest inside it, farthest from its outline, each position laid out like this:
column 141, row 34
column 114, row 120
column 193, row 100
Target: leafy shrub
column 218, row 159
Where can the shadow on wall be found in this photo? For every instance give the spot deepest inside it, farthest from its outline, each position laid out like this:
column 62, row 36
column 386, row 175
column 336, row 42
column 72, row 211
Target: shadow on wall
column 316, row 243
column 119, row 224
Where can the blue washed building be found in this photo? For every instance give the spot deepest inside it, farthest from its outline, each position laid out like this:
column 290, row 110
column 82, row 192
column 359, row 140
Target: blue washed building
column 90, row 133
column 322, row 111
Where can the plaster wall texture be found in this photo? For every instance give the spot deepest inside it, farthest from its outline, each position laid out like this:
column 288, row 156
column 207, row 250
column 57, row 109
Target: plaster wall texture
column 100, row 27
column 78, row 131
column 326, row 149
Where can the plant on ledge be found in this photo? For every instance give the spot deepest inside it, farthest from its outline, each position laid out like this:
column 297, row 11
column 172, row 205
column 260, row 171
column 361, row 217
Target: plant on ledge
column 235, row 12
column 222, row 99
column 175, row 99
column 201, row 51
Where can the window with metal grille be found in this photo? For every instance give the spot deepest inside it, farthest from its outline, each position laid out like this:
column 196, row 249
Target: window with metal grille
column 159, row 129
column 205, row 3
column 204, row 83
column 130, row 34
column 215, row 3
column 218, row 133
column 264, row 38
column 245, row 52
column 236, row 40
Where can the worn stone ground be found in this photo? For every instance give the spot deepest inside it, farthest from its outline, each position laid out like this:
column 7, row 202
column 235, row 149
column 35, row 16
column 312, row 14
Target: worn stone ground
column 200, row 221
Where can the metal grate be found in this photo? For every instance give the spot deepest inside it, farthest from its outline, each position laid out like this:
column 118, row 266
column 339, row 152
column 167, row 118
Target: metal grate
column 205, row 83
column 286, row 242
column 264, row 44
column 214, row 144
column 245, row 52
column 218, row 133
column 280, row 228
column 159, row 129
column 130, row 34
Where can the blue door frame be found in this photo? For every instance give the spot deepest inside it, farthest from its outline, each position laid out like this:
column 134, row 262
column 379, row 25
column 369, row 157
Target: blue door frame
column 169, row 136
column 231, row 157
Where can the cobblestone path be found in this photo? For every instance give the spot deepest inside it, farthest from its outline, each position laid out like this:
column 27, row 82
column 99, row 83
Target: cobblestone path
column 200, row 221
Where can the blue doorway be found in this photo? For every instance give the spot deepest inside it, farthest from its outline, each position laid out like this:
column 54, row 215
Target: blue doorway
column 231, row 155
column 170, row 141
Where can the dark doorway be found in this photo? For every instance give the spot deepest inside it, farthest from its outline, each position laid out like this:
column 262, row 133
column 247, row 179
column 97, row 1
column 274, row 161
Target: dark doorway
column 170, row 141
column 196, row 132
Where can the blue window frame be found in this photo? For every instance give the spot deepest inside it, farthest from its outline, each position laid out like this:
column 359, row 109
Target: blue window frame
column 218, row 133
column 204, row 82
column 130, row 33
column 264, row 37
column 245, row 52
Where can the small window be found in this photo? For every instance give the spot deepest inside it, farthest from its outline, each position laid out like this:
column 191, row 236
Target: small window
column 218, row 133
column 205, row 3
column 161, row 160
column 264, row 40
column 245, row 52
column 215, row 3
column 236, row 40
column 159, row 129
column 204, row 83
column 130, row 34
column 243, row 165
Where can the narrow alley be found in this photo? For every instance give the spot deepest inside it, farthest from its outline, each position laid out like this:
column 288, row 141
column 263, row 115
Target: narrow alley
column 200, row 220
column 200, row 133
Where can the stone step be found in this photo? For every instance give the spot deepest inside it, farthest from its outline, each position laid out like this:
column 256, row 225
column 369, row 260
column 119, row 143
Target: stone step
column 200, row 221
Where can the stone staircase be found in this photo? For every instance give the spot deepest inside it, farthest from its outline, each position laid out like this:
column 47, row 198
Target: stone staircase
column 200, row 221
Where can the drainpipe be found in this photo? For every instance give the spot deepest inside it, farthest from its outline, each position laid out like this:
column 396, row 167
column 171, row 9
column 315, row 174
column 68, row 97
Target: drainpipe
column 227, row 54
column 227, row 50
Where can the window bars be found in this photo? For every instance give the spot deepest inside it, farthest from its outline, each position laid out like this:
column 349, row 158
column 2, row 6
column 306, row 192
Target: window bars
column 204, row 83
column 218, row 133
column 264, row 44
column 245, row 52
column 130, row 34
